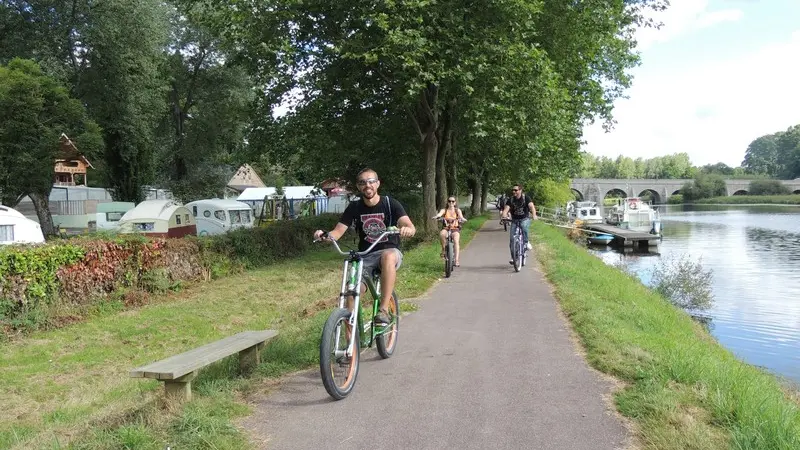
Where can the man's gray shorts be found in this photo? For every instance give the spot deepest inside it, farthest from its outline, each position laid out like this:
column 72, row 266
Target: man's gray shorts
column 372, row 260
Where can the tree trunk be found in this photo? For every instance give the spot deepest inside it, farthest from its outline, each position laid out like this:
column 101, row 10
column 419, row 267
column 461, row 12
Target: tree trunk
column 484, row 190
column 445, row 140
column 42, row 204
column 451, row 168
column 476, row 187
column 426, row 122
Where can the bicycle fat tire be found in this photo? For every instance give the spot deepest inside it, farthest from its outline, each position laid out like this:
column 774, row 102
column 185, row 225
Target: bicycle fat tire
column 448, row 258
column 326, row 359
column 387, row 342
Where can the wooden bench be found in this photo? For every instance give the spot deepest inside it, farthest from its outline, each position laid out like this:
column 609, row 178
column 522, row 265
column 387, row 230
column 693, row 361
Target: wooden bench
column 177, row 372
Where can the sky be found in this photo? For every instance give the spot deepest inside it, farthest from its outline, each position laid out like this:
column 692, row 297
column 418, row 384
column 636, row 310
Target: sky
column 716, row 76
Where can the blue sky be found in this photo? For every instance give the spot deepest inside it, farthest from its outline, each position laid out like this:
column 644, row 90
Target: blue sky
column 717, row 75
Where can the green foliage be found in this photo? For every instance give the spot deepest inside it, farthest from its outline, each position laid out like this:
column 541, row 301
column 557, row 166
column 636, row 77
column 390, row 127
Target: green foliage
column 768, row 187
column 550, row 193
column 29, row 281
column 674, row 166
column 704, row 186
column 34, row 111
column 675, row 199
column 85, row 270
column 683, row 282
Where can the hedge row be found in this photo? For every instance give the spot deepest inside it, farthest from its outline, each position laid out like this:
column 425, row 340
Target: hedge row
column 36, row 282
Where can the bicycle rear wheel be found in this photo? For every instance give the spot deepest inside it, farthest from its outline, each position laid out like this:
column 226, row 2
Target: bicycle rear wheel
column 386, row 342
column 448, row 260
column 337, row 370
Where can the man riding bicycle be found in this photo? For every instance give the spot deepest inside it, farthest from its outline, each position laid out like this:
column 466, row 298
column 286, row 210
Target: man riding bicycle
column 372, row 215
column 522, row 209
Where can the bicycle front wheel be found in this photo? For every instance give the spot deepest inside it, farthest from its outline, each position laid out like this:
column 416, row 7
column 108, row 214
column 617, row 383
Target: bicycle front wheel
column 339, row 371
column 518, row 255
column 448, row 260
column 386, row 342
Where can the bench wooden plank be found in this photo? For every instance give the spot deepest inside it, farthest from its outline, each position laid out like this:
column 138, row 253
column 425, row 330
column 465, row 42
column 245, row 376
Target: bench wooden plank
column 179, row 365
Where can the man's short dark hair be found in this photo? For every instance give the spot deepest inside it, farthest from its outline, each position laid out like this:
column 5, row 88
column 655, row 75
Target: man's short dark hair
column 366, row 170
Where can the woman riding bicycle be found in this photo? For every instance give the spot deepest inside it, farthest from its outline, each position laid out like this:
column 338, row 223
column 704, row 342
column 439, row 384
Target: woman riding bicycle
column 452, row 221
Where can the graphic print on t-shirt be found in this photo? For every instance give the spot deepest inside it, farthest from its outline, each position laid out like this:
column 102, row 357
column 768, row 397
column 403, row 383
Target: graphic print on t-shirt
column 373, row 227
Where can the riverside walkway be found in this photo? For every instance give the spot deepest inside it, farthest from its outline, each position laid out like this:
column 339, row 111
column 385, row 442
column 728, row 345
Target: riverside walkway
column 486, row 363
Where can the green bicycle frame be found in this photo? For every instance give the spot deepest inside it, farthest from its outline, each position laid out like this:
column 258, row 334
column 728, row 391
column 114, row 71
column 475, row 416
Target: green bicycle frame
column 351, row 286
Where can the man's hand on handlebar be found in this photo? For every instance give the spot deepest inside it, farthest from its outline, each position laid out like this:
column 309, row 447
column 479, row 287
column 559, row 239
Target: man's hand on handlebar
column 320, row 235
column 406, row 232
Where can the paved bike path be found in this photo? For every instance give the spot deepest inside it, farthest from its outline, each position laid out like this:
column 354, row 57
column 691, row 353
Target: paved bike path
column 486, row 363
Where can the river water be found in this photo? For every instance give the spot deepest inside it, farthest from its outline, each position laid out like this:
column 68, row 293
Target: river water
column 754, row 255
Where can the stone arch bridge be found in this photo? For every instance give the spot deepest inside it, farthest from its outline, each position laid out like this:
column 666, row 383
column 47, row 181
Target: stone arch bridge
column 596, row 189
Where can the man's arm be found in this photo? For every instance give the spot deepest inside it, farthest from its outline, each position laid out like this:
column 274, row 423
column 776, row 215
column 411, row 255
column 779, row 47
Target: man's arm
column 341, row 227
column 505, row 211
column 407, row 228
column 532, row 207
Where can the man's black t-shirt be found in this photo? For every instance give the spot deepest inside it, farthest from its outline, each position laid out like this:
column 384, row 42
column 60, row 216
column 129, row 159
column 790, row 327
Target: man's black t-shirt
column 518, row 207
column 372, row 221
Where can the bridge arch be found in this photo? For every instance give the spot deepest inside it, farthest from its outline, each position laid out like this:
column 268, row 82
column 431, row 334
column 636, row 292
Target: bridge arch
column 577, row 194
column 652, row 195
column 678, row 192
column 615, row 193
column 740, row 192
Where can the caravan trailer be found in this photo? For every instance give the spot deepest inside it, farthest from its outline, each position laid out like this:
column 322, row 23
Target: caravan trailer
column 18, row 229
column 159, row 218
column 216, row 216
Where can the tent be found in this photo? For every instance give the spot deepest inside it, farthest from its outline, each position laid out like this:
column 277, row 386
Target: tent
column 159, row 218
column 17, row 229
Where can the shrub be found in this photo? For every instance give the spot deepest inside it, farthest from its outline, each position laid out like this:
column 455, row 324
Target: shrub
column 684, row 282
column 675, row 199
column 768, row 187
column 85, row 270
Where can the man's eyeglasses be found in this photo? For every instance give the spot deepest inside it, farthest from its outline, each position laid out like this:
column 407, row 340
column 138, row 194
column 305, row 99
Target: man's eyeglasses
column 515, row 190
column 367, row 181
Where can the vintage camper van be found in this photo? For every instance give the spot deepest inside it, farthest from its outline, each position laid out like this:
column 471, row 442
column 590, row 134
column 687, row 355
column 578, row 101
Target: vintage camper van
column 159, row 218
column 109, row 214
column 215, row 216
column 18, row 229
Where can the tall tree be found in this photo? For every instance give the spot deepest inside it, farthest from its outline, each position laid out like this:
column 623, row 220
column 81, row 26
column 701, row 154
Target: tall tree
column 124, row 88
column 761, row 156
column 34, row 111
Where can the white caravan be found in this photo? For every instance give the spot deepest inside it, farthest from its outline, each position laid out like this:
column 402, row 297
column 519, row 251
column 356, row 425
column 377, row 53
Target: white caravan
column 216, row 216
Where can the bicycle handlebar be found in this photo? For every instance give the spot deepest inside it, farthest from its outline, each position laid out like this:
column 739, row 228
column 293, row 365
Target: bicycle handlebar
column 339, row 249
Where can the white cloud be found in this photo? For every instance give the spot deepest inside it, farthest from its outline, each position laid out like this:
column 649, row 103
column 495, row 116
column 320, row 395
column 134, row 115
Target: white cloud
column 682, row 17
column 711, row 111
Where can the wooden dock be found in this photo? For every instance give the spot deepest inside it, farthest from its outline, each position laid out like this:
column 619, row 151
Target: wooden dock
column 623, row 237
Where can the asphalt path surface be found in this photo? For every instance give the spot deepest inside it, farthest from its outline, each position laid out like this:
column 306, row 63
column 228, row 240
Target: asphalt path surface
column 487, row 362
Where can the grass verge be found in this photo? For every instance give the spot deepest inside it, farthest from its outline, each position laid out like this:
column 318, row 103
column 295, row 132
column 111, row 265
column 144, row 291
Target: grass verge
column 69, row 388
column 792, row 199
column 682, row 388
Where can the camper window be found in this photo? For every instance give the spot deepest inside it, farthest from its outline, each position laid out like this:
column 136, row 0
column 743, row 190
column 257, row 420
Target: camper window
column 219, row 214
column 245, row 216
column 113, row 216
column 186, row 216
column 145, row 226
column 194, row 210
column 178, row 219
column 6, row 233
column 235, row 217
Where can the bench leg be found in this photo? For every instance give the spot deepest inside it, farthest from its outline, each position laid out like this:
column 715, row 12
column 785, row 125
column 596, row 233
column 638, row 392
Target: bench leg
column 180, row 388
column 250, row 357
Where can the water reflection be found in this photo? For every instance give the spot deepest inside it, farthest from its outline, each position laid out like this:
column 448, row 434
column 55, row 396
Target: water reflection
column 754, row 255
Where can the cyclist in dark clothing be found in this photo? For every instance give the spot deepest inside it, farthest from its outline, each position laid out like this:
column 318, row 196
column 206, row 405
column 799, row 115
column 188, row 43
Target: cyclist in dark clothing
column 372, row 215
column 522, row 210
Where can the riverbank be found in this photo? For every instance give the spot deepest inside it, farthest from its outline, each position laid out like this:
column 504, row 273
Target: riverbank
column 71, row 385
column 792, row 199
column 681, row 388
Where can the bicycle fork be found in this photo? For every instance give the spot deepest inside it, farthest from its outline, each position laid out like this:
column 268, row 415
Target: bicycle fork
column 350, row 287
